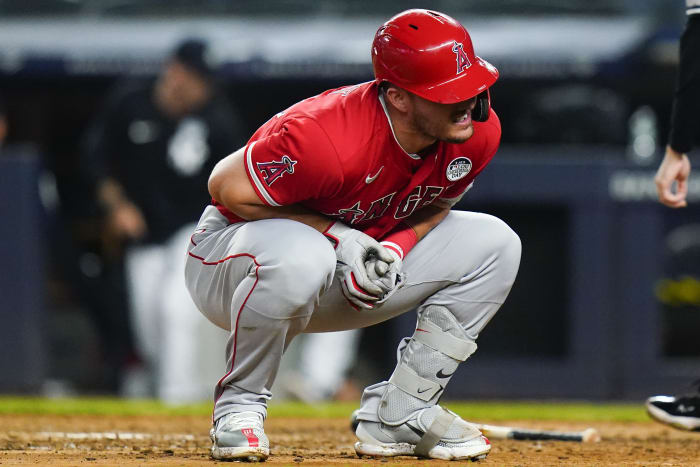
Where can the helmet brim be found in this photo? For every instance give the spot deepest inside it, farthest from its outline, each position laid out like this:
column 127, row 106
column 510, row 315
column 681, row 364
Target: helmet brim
column 474, row 80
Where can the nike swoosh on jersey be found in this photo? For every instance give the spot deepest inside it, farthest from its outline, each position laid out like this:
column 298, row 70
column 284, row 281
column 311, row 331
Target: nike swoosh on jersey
column 371, row 178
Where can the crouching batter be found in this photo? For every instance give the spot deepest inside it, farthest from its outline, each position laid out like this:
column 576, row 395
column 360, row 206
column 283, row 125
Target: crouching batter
column 336, row 215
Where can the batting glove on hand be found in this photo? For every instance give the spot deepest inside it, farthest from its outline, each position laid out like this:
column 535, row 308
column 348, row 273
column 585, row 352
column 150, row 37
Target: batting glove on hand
column 388, row 276
column 352, row 249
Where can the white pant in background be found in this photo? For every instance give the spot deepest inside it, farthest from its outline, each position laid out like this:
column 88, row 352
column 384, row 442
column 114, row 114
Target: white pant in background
column 181, row 348
column 326, row 358
column 316, row 365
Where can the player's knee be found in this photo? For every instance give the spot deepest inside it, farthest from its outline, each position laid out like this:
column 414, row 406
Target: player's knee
column 304, row 272
column 506, row 245
column 309, row 276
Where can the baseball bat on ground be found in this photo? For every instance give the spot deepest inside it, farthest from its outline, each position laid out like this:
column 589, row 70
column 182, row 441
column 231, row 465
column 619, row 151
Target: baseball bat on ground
column 589, row 435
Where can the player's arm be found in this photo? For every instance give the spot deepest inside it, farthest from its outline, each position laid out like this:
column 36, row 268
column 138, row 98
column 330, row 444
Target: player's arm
column 399, row 242
column 229, row 185
column 124, row 218
column 675, row 168
column 426, row 219
column 411, row 230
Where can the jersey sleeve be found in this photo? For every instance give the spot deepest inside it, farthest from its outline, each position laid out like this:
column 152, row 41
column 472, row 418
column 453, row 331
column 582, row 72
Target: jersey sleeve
column 684, row 116
column 487, row 139
column 293, row 162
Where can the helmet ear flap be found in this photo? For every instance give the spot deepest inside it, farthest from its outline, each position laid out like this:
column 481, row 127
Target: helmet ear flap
column 481, row 109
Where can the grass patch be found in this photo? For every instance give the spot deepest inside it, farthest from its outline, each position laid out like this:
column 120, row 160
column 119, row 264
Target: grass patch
column 96, row 406
column 491, row 411
column 567, row 411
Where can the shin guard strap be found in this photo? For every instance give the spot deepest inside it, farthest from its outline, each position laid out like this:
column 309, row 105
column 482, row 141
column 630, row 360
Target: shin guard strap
column 432, row 336
column 434, row 433
column 409, row 382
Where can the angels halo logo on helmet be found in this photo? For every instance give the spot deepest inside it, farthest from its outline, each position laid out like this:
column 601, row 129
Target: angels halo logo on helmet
column 416, row 49
column 462, row 59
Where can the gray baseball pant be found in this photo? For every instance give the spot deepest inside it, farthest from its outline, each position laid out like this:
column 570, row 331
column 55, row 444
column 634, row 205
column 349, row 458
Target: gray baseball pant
column 267, row 281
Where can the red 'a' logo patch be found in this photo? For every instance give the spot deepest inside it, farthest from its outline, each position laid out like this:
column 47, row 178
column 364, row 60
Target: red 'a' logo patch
column 271, row 171
column 462, row 60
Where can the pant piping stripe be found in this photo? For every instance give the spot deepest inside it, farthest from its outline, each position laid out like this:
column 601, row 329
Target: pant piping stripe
column 238, row 316
column 195, row 233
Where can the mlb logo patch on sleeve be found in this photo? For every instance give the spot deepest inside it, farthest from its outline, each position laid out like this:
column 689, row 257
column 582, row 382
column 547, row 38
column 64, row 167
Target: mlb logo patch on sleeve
column 458, row 168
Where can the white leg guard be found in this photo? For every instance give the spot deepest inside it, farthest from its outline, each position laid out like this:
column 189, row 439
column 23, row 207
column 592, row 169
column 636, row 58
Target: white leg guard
column 409, row 420
column 426, row 364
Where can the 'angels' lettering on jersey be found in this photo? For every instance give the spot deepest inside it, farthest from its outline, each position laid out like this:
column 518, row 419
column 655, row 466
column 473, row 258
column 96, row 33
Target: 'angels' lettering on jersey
column 349, row 215
column 420, row 196
column 417, row 199
column 378, row 207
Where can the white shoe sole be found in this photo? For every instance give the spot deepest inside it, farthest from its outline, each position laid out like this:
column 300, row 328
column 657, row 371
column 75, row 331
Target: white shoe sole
column 406, row 449
column 682, row 423
column 249, row 454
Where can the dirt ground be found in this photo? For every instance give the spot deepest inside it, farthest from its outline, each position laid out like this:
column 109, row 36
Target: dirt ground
column 92, row 440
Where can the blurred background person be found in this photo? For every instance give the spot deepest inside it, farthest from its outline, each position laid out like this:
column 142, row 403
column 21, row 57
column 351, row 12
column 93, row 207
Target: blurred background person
column 149, row 154
column 683, row 410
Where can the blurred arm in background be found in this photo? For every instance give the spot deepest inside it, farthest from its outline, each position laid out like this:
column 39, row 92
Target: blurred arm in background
column 99, row 164
column 3, row 122
column 685, row 121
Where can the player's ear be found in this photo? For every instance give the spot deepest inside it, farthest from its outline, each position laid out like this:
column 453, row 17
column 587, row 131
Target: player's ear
column 398, row 98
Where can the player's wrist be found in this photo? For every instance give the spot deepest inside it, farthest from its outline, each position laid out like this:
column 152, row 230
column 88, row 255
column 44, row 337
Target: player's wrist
column 671, row 152
column 335, row 232
column 394, row 249
column 401, row 240
column 111, row 197
column 120, row 206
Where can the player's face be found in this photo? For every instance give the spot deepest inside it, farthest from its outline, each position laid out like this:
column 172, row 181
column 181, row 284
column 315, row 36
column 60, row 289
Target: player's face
column 451, row 123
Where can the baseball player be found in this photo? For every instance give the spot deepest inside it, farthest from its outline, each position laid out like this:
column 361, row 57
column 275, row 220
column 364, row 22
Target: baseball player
column 336, row 215
column 683, row 410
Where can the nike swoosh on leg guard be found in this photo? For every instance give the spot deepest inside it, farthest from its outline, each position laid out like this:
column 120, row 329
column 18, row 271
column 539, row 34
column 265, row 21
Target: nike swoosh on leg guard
column 440, row 374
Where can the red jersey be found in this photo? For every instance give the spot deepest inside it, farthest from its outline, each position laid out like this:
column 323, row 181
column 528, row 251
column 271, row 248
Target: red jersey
column 336, row 154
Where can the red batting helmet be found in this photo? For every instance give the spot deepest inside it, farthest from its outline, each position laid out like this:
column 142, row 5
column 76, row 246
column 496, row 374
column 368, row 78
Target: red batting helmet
column 430, row 54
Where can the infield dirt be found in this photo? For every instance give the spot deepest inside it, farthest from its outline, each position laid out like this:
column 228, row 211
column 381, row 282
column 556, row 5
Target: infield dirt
column 183, row 440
